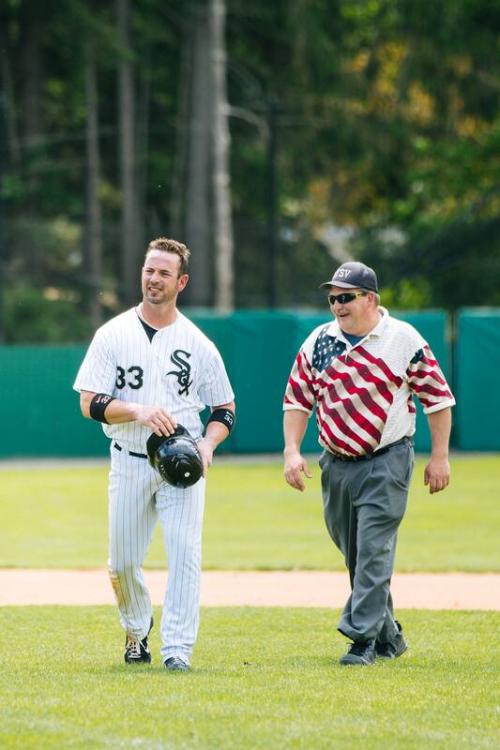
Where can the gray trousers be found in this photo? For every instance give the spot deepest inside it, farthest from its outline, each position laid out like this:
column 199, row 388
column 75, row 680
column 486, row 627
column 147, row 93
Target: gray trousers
column 364, row 503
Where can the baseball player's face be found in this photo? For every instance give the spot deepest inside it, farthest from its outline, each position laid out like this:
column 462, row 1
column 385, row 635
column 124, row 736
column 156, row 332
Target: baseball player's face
column 352, row 316
column 160, row 279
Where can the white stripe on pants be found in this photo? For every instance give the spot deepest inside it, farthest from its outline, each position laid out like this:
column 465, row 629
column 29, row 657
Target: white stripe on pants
column 137, row 498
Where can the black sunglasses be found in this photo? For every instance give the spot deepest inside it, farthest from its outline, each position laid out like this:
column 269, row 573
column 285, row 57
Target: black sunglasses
column 345, row 297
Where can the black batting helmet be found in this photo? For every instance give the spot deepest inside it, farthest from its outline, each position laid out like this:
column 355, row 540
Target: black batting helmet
column 176, row 457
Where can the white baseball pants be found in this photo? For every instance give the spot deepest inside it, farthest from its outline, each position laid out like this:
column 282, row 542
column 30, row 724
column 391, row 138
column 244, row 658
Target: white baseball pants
column 138, row 497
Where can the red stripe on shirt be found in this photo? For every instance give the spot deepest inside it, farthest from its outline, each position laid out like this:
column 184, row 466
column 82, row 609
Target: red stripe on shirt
column 365, row 374
column 440, row 393
column 379, row 363
column 421, row 374
column 304, row 369
column 352, row 387
column 298, row 395
column 344, row 428
column 334, row 441
column 411, row 405
column 355, row 414
column 376, row 409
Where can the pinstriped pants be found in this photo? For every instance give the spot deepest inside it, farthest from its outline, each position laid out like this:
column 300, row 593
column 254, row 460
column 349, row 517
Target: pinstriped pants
column 138, row 498
column 364, row 503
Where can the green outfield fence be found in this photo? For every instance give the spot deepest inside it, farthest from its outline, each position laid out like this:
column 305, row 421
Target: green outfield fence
column 41, row 416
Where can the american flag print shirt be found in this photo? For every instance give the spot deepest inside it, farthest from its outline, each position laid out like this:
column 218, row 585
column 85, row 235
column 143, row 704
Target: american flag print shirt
column 363, row 393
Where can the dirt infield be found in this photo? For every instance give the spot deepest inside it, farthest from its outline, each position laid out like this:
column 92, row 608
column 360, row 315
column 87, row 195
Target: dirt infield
column 258, row 589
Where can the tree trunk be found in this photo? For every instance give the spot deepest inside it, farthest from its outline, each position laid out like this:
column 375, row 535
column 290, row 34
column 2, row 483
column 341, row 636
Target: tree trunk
column 198, row 185
column 179, row 172
column 31, row 116
column 223, row 238
column 12, row 139
column 144, row 101
column 32, row 74
column 3, row 243
column 129, row 225
column 93, row 234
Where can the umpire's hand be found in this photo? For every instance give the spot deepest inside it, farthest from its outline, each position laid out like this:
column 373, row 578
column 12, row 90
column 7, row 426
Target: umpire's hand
column 437, row 474
column 295, row 467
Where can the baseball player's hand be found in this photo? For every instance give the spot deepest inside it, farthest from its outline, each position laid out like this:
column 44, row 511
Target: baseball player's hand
column 206, row 449
column 158, row 420
column 295, row 467
column 437, row 474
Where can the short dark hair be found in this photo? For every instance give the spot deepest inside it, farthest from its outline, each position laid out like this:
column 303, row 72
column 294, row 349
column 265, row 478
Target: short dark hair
column 167, row 245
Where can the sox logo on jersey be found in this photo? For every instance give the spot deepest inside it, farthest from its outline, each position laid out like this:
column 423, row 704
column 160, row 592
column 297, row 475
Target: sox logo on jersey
column 183, row 374
column 122, row 361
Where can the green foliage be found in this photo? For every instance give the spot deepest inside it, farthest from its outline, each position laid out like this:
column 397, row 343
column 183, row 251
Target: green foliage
column 48, row 316
column 261, row 678
column 57, row 517
column 387, row 120
column 407, row 295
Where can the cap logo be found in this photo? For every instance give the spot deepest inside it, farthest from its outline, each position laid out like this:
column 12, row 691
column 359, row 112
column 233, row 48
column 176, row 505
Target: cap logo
column 343, row 273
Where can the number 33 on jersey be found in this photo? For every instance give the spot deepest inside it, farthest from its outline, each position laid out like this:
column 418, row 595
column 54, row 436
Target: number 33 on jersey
column 178, row 369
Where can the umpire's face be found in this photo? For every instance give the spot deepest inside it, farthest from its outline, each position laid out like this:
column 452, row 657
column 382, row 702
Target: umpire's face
column 160, row 279
column 356, row 310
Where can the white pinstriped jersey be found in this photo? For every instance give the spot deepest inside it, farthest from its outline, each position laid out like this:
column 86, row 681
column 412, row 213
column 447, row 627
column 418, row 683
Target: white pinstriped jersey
column 180, row 370
column 363, row 393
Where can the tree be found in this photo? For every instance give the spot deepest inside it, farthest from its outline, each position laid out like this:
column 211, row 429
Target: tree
column 223, row 231
column 128, row 161
column 388, row 133
column 94, row 214
column 197, row 189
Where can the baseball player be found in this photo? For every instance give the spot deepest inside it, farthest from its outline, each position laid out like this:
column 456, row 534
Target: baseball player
column 146, row 371
column 360, row 372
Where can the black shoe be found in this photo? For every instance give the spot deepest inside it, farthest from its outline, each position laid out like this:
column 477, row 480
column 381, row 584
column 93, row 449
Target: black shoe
column 392, row 649
column 176, row 664
column 360, row 653
column 137, row 651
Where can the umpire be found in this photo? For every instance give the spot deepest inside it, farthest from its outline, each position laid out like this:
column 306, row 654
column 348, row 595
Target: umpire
column 360, row 372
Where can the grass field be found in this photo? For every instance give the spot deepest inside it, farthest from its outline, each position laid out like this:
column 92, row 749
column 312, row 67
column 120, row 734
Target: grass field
column 58, row 518
column 264, row 678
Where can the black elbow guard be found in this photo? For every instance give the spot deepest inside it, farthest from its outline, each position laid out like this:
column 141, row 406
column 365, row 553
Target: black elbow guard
column 225, row 416
column 98, row 406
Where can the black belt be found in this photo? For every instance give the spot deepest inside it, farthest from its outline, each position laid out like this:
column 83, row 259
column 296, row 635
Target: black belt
column 130, row 453
column 367, row 456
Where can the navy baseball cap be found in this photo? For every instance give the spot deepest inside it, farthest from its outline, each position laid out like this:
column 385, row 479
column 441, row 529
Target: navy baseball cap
column 354, row 275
